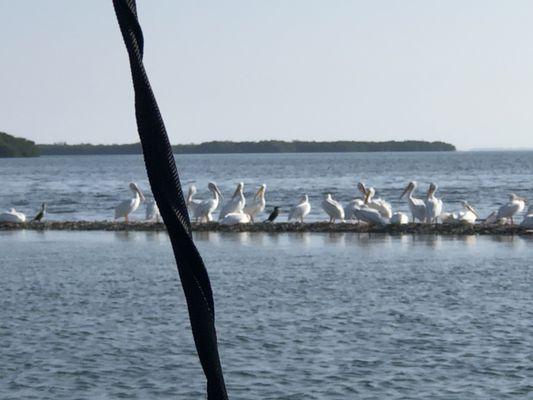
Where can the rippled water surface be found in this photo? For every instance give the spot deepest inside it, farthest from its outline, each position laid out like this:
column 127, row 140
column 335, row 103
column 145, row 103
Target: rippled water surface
column 90, row 187
column 300, row 316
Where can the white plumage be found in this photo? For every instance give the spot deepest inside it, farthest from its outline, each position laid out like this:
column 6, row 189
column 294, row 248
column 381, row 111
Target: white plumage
column 300, row 210
column 12, row 215
column 191, row 202
column 370, row 216
column 467, row 216
column 383, row 207
column 258, row 204
column 235, row 218
column 399, row 218
column 203, row 209
column 333, row 208
column 433, row 205
column 235, row 204
column 351, row 206
column 417, row 206
column 152, row 211
column 515, row 205
column 126, row 207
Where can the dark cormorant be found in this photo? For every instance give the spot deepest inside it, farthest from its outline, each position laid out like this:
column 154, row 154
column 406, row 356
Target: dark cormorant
column 40, row 214
column 273, row 215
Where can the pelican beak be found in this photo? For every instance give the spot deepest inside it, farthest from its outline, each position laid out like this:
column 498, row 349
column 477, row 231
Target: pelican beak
column 472, row 210
column 218, row 191
column 367, row 195
column 405, row 190
column 236, row 192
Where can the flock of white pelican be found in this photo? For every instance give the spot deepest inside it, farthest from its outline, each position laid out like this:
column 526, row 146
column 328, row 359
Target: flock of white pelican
column 366, row 209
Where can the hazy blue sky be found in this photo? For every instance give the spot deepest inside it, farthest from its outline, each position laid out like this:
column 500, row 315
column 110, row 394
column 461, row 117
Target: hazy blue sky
column 459, row 71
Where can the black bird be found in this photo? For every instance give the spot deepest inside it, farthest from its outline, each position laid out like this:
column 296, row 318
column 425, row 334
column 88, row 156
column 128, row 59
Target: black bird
column 40, row 214
column 273, row 215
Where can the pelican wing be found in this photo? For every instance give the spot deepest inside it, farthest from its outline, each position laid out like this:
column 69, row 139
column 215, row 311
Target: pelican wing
column 333, row 208
column 12, row 216
column 235, row 205
column 299, row 211
column 235, row 218
column 370, row 216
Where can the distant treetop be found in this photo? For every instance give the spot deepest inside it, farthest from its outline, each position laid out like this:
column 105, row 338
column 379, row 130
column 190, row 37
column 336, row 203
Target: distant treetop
column 11, row 146
column 265, row 146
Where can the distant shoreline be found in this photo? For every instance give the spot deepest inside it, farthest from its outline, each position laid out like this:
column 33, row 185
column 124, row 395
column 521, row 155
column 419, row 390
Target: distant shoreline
column 271, row 146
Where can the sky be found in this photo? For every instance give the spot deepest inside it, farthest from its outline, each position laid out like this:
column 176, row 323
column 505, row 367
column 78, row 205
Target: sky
column 457, row 70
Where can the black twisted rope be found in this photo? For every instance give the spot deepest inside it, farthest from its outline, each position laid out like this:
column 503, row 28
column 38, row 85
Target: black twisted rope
column 166, row 187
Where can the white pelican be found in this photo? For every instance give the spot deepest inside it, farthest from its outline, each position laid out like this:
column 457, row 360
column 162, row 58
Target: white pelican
column 433, row 204
column 152, row 211
column 12, row 215
column 369, row 215
column 333, row 208
column 399, row 218
column 191, row 202
column 235, row 204
column 235, row 218
column 380, row 205
column 258, row 204
column 351, row 206
column 515, row 205
column 300, row 210
column 204, row 208
column 126, row 207
column 468, row 215
column 417, row 206
column 527, row 222
column 40, row 214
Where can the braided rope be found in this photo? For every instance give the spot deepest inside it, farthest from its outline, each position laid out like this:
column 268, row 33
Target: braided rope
column 166, row 187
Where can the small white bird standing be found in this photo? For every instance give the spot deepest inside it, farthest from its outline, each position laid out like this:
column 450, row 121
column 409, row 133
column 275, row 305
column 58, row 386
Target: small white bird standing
column 433, row 205
column 515, row 205
column 191, row 202
column 235, row 204
column 126, row 207
column 152, row 211
column 300, row 210
column 205, row 208
column 258, row 204
column 417, row 206
column 383, row 207
column 333, row 208
column 527, row 222
column 12, row 215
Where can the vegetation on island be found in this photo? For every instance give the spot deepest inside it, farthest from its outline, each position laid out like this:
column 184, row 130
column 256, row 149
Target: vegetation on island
column 265, row 146
column 11, row 146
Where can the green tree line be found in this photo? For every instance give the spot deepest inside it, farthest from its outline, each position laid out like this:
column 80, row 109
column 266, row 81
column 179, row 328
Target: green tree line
column 11, row 146
column 266, row 146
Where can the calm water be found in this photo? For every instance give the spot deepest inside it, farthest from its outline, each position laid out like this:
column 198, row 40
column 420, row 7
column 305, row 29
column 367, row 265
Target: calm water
column 102, row 316
column 300, row 316
column 90, row 187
